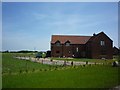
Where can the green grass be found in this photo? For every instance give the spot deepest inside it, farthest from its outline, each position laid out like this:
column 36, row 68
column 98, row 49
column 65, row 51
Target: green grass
column 15, row 65
column 24, row 54
column 82, row 77
column 95, row 76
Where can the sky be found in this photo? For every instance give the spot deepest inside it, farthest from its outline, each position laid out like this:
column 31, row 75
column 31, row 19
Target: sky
column 29, row 25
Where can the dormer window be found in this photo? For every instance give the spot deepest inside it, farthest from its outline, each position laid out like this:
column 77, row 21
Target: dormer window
column 57, row 43
column 67, row 43
column 102, row 43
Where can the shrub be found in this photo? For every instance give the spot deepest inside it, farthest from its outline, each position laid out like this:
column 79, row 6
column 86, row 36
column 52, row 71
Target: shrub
column 33, row 70
column 20, row 71
column 26, row 71
column 45, row 69
column 83, row 65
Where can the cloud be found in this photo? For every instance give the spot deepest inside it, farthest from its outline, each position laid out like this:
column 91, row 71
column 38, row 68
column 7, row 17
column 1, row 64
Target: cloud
column 73, row 23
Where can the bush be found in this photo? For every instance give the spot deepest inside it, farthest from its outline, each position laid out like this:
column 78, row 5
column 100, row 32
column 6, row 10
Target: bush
column 55, row 68
column 26, row 71
column 20, row 71
column 33, row 70
column 83, row 65
column 40, row 69
column 45, row 69
column 90, row 65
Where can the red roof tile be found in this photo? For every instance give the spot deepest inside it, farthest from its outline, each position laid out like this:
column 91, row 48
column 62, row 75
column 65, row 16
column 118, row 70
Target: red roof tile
column 72, row 39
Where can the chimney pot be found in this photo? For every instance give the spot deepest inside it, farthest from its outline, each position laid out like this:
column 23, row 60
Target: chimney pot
column 94, row 34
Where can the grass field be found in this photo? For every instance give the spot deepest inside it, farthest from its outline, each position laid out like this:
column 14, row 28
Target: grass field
column 10, row 64
column 95, row 76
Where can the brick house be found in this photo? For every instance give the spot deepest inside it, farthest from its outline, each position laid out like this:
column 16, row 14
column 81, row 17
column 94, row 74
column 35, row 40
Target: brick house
column 97, row 46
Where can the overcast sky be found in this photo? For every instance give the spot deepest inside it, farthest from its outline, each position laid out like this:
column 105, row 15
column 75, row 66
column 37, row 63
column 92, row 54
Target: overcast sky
column 29, row 26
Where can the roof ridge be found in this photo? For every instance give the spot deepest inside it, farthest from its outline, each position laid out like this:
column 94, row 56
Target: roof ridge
column 73, row 35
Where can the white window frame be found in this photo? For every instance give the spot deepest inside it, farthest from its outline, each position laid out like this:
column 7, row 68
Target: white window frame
column 76, row 49
column 102, row 43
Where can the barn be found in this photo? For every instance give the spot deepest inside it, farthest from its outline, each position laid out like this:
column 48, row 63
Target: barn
column 97, row 46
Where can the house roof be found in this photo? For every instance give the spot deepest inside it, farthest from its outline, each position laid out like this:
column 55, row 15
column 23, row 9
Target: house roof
column 72, row 39
column 95, row 35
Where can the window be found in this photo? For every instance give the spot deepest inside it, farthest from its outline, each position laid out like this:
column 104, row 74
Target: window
column 76, row 49
column 102, row 43
column 57, row 43
column 67, row 44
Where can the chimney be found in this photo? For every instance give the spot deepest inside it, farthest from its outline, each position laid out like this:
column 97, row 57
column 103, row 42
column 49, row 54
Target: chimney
column 94, row 34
